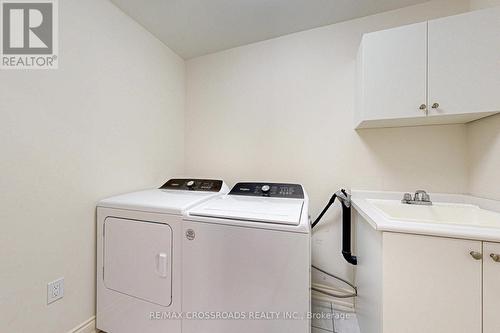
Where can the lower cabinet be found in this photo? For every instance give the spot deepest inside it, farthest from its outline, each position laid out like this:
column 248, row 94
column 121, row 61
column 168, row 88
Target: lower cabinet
column 491, row 288
column 413, row 284
column 430, row 284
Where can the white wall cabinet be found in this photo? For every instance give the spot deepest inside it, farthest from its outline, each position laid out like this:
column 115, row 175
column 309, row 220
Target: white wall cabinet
column 412, row 283
column 394, row 66
column 464, row 63
column 438, row 72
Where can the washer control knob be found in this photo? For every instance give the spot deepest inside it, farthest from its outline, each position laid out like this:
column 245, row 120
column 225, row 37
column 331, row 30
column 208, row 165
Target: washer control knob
column 265, row 188
column 190, row 183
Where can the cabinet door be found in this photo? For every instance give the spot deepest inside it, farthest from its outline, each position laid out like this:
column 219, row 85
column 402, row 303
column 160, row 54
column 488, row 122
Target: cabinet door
column 393, row 73
column 464, row 63
column 431, row 285
column 491, row 288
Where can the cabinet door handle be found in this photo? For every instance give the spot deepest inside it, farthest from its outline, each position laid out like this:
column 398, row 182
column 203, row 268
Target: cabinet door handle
column 423, row 107
column 495, row 257
column 476, row 255
column 435, row 105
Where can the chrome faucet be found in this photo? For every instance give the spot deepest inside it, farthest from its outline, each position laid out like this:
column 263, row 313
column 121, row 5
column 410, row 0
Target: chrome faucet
column 421, row 197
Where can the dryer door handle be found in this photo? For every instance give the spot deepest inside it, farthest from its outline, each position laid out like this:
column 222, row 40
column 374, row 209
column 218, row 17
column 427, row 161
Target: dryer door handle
column 162, row 264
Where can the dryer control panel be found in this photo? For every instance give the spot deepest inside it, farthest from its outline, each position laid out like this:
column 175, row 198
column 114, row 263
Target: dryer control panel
column 204, row 185
column 273, row 190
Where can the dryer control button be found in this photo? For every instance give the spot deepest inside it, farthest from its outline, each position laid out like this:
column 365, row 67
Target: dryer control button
column 190, row 183
column 265, row 188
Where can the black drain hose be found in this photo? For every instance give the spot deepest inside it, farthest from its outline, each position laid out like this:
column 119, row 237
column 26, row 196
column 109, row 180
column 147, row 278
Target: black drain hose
column 345, row 201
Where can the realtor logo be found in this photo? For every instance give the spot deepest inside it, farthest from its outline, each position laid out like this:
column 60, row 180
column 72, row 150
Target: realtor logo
column 29, row 34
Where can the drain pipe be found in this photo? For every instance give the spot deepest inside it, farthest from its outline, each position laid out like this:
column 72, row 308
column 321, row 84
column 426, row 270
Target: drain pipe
column 345, row 200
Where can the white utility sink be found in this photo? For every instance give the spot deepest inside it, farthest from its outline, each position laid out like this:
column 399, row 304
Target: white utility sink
column 446, row 213
column 451, row 215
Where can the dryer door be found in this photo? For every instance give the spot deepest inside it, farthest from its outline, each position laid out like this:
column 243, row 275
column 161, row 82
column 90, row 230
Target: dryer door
column 138, row 259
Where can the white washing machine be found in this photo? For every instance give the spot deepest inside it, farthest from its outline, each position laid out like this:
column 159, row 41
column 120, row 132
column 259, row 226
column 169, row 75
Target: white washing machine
column 139, row 243
column 248, row 254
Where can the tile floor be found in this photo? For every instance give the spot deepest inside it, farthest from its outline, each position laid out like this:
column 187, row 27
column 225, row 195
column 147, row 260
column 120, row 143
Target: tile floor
column 328, row 319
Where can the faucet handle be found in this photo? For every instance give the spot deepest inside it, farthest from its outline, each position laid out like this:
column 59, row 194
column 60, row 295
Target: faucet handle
column 419, row 195
column 406, row 198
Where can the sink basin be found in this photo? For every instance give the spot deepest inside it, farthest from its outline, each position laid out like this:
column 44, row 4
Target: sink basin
column 452, row 215
column 438, row 213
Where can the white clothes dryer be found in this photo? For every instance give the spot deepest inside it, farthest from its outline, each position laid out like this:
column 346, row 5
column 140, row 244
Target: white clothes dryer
column 139, row 243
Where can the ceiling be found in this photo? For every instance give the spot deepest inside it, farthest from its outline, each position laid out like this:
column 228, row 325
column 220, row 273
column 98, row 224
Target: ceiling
column 197, row 27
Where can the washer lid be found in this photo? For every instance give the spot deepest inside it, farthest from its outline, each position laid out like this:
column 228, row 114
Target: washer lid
column 257, row 209
column 157, row 200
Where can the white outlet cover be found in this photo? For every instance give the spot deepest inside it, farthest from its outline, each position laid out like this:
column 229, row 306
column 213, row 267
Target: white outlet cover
column 55, row 290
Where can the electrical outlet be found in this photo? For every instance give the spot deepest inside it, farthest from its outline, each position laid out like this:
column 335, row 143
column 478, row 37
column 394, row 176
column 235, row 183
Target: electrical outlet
column 55, row 290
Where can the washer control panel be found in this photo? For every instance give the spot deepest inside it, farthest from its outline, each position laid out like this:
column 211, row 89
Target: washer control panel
column 204, row 185
column 273, row 190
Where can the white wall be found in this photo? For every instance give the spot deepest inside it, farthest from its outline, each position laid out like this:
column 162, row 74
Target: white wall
column 480, row 4
column 109, row 120
column 483, row 138
column 282, row 110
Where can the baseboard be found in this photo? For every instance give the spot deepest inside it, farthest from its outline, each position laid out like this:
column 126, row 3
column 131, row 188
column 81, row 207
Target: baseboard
column 88, row 326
